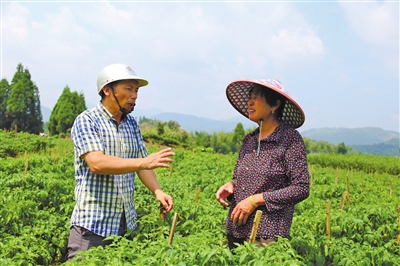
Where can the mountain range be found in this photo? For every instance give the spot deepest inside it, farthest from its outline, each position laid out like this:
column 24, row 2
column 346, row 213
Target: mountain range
column 366, row 139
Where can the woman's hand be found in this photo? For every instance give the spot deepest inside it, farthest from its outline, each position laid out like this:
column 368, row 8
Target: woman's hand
column 224, row 192
column 242, row 212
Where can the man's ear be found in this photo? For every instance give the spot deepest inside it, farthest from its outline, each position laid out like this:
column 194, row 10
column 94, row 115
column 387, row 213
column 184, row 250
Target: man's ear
column 106, row 90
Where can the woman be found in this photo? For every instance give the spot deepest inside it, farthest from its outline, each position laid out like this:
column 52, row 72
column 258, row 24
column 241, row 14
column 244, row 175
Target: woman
column 271, row 172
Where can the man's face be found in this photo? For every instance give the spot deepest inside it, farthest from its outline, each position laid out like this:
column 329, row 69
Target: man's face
column 127, row 92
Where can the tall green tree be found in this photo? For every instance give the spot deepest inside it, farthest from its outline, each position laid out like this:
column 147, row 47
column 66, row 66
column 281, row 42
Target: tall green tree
column 68, row 107
column 4, row 95
column 238, row 135
column 23, row 104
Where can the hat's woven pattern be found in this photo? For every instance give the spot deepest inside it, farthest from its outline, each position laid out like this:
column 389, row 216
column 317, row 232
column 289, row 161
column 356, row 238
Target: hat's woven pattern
column 238, row 96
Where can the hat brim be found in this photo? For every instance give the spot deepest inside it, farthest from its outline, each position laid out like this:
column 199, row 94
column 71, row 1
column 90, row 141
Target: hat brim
column 238, row 91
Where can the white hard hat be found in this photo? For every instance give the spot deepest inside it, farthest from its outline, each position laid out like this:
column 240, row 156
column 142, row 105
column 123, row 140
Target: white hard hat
column 116, row 72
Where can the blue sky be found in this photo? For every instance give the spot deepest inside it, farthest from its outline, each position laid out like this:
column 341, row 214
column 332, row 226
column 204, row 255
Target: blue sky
column 338, row 59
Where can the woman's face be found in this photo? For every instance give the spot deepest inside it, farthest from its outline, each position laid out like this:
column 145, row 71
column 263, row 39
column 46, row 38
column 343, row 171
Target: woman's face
column 257, row 107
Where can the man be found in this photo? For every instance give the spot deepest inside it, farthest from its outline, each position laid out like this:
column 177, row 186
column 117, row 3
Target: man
column 109, row 149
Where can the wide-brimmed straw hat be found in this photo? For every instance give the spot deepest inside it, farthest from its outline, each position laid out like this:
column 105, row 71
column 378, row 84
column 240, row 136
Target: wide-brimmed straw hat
column 238, row 95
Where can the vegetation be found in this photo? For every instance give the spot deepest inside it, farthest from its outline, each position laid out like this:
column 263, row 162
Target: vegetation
column 68, row 107
column 20, row 103
column 171, row 134
column 37, row 187
column 390, row 147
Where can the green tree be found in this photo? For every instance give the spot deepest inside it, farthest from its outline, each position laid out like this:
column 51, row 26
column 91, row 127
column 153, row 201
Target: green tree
column 238, row 135
column 4, row 95
column 160, row 128
column 23, row 105
column 68, row 107
column 341, row 148
column 173, row 125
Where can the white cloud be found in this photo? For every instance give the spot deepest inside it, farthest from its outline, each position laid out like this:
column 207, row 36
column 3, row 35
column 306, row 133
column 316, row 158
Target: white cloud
column 378, row 24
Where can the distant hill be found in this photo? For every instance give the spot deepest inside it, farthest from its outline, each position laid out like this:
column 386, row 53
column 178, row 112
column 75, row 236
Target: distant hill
column 371, row 140
column 351, row 136
column 390, row 147
column 46, row 112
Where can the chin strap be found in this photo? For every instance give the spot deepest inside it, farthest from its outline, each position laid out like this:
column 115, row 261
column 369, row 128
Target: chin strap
column 259, row 138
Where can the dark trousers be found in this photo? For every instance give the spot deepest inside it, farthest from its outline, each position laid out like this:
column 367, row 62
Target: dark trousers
column 81, row 239
column 259, row 241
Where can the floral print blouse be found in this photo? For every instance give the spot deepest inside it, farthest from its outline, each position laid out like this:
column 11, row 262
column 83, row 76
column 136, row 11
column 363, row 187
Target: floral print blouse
column 279, row 172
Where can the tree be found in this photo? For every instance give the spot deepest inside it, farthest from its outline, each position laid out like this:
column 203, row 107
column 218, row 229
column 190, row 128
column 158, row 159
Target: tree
column 4, row 95
column 68, row 107
column 341, row 148
column 160, row 128
column 238, row 133
column 23, row 105
column 173, row 125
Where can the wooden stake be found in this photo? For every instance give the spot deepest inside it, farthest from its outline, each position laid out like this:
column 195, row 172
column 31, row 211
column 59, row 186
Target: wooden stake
column 25, row 154
column 348, row 190
column 343, row 199
column 162, row 215
column 171, row 233
column 26, row 167
column 197, row 195
column 390, row 188
column 328, row 219
column 256, row 223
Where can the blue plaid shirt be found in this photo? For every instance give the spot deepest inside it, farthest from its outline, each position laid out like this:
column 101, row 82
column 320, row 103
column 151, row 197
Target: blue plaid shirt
column 101, row 199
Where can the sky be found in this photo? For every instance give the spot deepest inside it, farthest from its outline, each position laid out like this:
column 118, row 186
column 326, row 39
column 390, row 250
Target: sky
column 338, row 59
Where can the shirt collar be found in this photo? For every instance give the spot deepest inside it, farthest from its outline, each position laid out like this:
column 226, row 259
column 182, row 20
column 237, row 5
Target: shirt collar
column 273, row 137
column 107, row 114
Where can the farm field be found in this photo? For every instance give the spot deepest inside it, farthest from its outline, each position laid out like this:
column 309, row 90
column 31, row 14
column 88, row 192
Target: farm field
column 37, row 187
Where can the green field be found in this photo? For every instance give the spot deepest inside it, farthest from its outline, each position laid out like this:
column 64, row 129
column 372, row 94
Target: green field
column 37, row 200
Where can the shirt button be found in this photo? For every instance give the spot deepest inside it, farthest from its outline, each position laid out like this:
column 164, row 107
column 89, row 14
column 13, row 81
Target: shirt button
column 247, row 168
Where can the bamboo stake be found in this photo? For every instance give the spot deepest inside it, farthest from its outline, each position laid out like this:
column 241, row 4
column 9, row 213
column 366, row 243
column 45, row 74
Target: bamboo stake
column 171, row 233
column 162, row 215
column 328, row 219
column 197, row 195
column 256, row 223
column 312, row 175
column 390, row 188
column 348, row 189
column 26, row 167
column 343, row 199
column 25, row 154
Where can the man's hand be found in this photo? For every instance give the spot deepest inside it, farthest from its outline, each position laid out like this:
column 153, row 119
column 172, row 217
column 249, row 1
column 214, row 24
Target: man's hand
column 165, row 200
column 158, row 159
